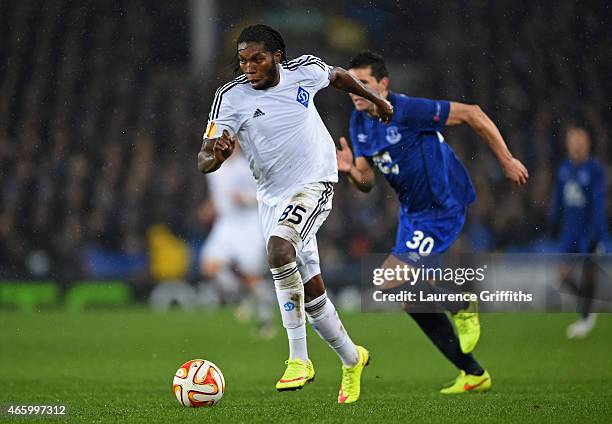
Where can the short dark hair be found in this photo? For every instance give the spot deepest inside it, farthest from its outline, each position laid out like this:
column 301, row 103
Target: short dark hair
column 373, row 60
column 271, row 38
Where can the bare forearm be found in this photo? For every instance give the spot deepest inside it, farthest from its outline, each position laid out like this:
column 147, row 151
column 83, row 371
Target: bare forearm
column 488, row 131
column 360, row 180
column 207, row 162
column 461, row 113
column 344, row 81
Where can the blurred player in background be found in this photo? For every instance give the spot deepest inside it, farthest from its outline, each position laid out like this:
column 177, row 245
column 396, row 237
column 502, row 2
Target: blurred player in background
column 234, row 251
column 579, row 211
column 270, row 109
column 434, row 190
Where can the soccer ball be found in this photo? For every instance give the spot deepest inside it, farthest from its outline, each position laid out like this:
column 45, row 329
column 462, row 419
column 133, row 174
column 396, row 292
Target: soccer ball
column 198, row 383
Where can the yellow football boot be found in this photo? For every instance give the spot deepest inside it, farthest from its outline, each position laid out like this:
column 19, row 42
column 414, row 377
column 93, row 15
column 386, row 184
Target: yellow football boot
column 350, row 387
column 468, row 383
column 467, row 324
column 297, row 374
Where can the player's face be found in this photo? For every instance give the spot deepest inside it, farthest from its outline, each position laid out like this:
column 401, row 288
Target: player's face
column 365, row 76
column 577, row 145
column 258, row 65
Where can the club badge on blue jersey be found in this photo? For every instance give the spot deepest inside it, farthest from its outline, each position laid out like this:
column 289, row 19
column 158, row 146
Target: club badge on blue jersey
column 303, row 97
column 393, row 134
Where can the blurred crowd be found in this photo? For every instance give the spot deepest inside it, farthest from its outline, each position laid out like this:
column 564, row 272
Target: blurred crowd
column 101, row 118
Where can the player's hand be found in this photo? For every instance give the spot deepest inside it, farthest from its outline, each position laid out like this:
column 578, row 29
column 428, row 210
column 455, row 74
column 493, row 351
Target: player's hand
column 224, row 146
column 344, row 156
column 515, row 171
column 384, row 110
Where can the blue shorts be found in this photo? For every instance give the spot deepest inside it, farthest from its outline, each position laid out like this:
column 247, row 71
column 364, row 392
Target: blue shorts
column 429, row 232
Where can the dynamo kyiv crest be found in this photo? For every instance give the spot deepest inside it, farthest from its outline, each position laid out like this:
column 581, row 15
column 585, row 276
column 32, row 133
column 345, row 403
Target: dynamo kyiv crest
column 303, row 97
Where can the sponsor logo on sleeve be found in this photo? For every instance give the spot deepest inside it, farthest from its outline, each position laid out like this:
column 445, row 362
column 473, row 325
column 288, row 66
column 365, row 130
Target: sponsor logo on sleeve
column 436, row 117
column 211, row 130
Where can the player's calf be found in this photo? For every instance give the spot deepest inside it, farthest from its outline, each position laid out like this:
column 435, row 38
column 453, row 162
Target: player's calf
column 323, row 318
column 290, row 296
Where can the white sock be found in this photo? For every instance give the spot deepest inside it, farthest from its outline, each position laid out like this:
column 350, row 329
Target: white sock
column 324, row 320
column 290, row 295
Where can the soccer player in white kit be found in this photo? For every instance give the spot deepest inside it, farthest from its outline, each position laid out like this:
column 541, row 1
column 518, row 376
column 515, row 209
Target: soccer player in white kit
column 270, row 110
column 236, row 241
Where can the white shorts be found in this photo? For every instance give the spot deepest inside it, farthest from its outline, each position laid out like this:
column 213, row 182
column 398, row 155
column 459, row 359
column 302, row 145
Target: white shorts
column 297, row 220
column 237, row 241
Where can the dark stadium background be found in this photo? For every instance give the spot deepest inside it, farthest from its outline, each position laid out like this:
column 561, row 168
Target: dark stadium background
column 102, row 208
column 103, row 103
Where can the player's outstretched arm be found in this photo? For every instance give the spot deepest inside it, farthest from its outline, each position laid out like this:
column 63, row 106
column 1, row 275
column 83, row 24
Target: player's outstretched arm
column 214, row 151
column 360, row 173
column 473, row 115
column 343, row 80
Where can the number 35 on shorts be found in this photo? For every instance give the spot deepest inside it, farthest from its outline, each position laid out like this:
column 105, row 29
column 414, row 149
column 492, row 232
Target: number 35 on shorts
column 421, row 244
column 297, row 214
column 305, row 212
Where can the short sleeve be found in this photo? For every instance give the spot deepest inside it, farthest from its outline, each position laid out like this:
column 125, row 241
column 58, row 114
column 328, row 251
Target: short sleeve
column 425, row 114
column 315, row 70
column 222, row 116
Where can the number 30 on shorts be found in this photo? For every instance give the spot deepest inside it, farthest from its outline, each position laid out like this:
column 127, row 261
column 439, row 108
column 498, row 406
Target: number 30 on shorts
column 419, row 242
column 296, row 212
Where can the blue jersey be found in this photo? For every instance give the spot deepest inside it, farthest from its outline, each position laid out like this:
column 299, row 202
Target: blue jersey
column 432, row 185
column 579, row 202
column 411, row 153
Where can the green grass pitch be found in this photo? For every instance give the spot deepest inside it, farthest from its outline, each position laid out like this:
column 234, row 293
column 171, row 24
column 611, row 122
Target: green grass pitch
column 118, row 366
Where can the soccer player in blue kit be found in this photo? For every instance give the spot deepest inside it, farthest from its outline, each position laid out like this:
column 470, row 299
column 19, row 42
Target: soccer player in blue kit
column 579, row 209
column 433, row 188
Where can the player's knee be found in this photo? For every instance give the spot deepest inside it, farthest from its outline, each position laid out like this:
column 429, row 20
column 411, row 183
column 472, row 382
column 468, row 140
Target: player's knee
column 314, row 288
column 280, row 252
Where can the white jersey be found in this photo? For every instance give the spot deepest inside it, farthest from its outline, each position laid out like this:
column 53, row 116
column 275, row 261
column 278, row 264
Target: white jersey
column 233, row 180
column 279, row 129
